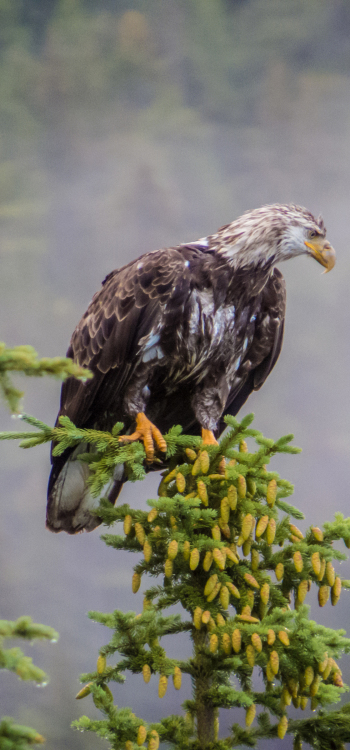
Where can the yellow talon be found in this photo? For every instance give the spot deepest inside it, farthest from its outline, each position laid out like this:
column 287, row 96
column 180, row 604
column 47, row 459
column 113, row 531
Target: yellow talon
column 148, row 433
column 208, row 437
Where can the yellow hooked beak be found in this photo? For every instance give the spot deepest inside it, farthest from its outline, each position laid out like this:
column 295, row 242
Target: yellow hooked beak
column 323, row 252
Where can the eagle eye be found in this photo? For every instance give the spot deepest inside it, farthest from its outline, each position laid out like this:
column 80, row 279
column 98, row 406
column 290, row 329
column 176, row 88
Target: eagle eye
column 312, row 233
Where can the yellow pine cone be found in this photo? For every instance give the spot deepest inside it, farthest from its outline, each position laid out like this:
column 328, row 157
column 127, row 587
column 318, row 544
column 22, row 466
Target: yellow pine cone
column 213, row 643
column 241, row 487
column 323, row 595
column 214, row 592
column 256, row 641
column 194, row 558
column 86, row 690
column 322, row 664
column 232, row 497
column 197, row 618
column 177, row 678
column 136, row 582
column 246, row 610
column 315, row 685
column 202, row 492
column 271, row 531
column 246, row 547
column 279, row 570
column 226, row 643
column 180, row 482
column 282, row 727
column 186, row 550
column 250, row 653
column 231, row 555
column 286, row 697
column 318, row 534
column 204, row 461
column 302, row 591
column 243, row 447
column 233, row 589
column 220, row 620
column 173, row 549
column 152, row 515
column 270, row 676
column 284, row 637
column 247, row 524
column 216, row 533
column 265, row 593
column 210, row 584
column 251, row 598
column 192, row 455
column 207, row 562
column 327, row 670
column 335, row 592
column 146, row 672
column 337, row 679
column 128, row 745
column 206, row 617
column 250, row 715
column 127, row 524
column 225, row 529
column 293, row 686
column 295, row 531
column 156, row 530
column 140, row 533
column 236, row 640
column 271, row 493
column 330, row 574
column 219, row 558
column 261, row 526
column 298, row 561
column 322, row 571
column 224, row 597
column 251, row 486
column 255, row 559
column 303, row 702
column 196, row 468
column 274, row 662
column 308, row 676
column 162, row 686
column 101, row 663
column 153, row 742
column 147, row 551
column 141, row 735
column 225, row 509
column 211, row 625
column 316, row 563
column 271, row 637
column 251, row 580
column 168, row 568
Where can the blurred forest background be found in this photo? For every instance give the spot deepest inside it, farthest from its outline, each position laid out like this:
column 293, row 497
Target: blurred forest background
column 127, row 126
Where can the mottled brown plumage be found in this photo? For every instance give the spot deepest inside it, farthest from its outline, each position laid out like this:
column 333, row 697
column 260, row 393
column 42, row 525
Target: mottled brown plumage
column 182, row 335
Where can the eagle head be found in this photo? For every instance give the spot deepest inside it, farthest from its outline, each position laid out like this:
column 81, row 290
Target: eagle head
column 270, row 234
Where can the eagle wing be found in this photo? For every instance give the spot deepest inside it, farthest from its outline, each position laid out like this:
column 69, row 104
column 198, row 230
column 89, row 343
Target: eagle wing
column 265, row 347
column 121, row 314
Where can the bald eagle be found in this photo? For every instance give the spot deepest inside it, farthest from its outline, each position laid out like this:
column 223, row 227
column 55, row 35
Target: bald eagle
column 182, row 336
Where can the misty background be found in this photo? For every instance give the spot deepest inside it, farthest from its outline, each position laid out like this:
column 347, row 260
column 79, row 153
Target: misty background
column 126, row 126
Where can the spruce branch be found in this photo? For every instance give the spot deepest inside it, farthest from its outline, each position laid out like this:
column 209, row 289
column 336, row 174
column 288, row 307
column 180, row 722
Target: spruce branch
column 24, row 359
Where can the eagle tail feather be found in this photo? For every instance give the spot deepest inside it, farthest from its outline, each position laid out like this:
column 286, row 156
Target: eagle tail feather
column 70, row 501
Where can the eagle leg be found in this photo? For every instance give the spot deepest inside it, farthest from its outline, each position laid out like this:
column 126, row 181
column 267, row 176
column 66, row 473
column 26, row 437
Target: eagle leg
column 148, row 433
column 208, row 437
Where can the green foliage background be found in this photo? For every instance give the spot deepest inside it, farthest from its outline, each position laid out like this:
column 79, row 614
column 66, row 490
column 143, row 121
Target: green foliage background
column 126, row 126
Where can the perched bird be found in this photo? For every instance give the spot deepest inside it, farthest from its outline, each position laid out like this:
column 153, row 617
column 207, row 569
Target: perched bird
column 182, row 335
